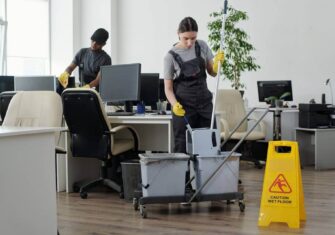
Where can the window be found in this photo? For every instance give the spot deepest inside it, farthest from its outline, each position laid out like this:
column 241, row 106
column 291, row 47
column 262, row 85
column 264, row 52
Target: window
column 3, row 27
column 28, row 37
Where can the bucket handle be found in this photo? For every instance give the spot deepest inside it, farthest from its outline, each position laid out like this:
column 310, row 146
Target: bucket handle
column 145, row 186
column 274, row 145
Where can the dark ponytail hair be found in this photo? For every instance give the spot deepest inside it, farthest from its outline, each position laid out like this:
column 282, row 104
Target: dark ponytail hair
column 188, row 24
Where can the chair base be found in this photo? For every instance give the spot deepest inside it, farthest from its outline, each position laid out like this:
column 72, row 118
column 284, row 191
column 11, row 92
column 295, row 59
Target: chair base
column 98, row 182
column 246, row 149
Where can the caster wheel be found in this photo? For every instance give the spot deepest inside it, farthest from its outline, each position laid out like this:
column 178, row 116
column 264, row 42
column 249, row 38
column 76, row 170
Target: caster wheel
column 83, row 195
column 258, row 165
column 121, row 195
column 135, row 204
column 76, row 188
column 143, row 212
column 242, row 206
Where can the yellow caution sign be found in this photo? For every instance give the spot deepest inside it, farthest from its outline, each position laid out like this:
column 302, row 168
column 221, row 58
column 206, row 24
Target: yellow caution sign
column 282, row 196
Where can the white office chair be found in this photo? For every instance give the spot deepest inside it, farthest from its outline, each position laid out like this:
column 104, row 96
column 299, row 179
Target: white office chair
column 36, row 109
column 230, row 107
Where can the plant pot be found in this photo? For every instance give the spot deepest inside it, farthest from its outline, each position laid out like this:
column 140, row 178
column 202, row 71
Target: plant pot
column 279, row 103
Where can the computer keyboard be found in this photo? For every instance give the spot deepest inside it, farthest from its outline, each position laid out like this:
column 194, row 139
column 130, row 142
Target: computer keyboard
column 120, row 113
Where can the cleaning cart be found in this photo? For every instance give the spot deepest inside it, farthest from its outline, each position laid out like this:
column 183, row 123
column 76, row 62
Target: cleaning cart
column 214, row 174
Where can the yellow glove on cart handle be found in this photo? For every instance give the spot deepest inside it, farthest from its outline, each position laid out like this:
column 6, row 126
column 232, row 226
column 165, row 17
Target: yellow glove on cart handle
column 64, row 79
column 219, row 58
column 178, row 110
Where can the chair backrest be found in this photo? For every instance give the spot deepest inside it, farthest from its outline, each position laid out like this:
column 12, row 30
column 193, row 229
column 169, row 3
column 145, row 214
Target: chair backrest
column 87, row 122
column 34, row 109
column 231, row 105
column 5, row 98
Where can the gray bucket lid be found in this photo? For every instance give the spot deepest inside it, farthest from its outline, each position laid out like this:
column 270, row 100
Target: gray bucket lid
column 221, row 155
column 154, row 157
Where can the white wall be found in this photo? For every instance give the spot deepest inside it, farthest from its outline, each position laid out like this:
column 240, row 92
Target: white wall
column 72, row 25
column 62, row 35
column 93, row 16
column 293, row 39
column 148, row 28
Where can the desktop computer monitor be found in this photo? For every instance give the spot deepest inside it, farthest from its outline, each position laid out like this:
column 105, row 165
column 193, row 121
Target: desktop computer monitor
column 150, row 89
column 162, row 96
column 35, row 83
column 120, row 83
column 274, row 88
column 6, row 83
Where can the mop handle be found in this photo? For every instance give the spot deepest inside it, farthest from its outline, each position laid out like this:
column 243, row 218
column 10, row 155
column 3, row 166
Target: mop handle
column 219, row 66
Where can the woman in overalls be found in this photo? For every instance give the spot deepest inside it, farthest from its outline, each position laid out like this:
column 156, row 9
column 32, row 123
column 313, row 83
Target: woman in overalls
column 185, row 67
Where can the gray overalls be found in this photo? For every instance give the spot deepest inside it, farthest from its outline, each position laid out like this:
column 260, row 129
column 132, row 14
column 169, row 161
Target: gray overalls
column 190, row 89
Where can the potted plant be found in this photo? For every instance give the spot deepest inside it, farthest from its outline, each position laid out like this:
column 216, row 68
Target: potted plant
column 237, row 48
column 277, row 101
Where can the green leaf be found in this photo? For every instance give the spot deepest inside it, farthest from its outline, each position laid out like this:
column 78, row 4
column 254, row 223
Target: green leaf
column 237, row 50
column 286, row 94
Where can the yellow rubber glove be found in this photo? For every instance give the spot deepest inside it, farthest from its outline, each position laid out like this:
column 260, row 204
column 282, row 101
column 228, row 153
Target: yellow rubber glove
column 178, row 110
column 64, row 79
column 218, row 58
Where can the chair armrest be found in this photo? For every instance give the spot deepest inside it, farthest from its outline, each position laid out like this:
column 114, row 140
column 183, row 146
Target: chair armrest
column 261, row 125
column 60, row 150
column 132, row 130
column 224, row 127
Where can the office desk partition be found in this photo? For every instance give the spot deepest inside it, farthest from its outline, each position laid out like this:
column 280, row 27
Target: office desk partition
column 155, row 131
column 316, row 147
column 27, row 181
column 155, row 134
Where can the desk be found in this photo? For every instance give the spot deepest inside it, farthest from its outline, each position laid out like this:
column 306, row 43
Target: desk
column 155, row 134
column 155, row 131
column 316, row 147
column 27, row 181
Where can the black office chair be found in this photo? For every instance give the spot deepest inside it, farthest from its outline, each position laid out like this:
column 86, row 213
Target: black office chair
column 93, row 137
column 5, row 98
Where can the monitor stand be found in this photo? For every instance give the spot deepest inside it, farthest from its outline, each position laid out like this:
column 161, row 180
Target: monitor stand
column 128, row 106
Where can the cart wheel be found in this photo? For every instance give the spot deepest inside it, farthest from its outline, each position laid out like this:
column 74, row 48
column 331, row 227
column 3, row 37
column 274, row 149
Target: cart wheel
column 83, row 195
column 143, row 212
column 230, row 202
column 242, row 206
column 135, row 204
